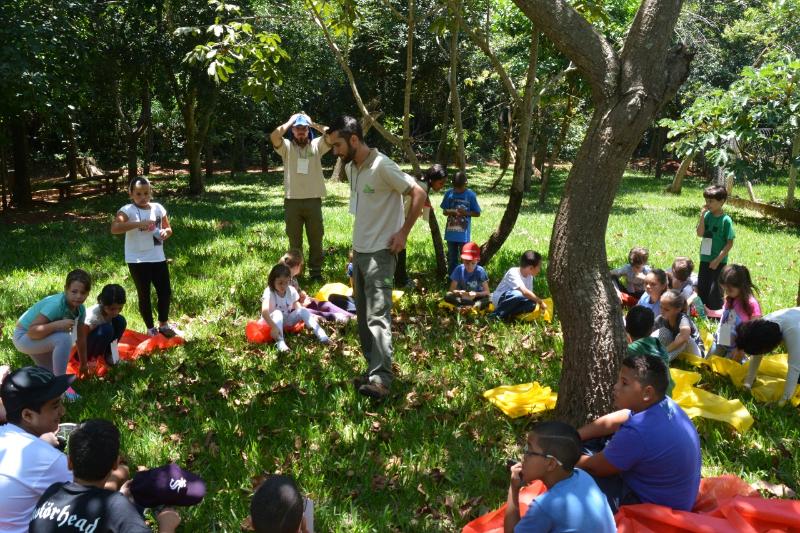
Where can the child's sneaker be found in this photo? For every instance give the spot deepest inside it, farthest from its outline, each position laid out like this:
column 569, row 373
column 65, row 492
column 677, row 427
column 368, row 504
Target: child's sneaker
column 281, row 346
column 152, row 332
column 71, row 396
column 170, row 330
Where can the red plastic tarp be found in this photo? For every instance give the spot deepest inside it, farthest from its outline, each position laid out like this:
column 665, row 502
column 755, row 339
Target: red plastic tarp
column 725, row 504
column 132, row 345
column 258, row 331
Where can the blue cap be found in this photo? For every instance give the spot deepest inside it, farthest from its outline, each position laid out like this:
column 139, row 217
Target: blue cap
column 302, row 120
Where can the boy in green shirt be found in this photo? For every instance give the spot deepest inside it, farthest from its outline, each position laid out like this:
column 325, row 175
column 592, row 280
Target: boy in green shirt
column 639, row 324
column 716, row 230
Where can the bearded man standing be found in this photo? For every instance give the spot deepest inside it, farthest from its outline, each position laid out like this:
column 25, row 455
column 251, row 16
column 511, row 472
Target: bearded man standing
column 304, row 184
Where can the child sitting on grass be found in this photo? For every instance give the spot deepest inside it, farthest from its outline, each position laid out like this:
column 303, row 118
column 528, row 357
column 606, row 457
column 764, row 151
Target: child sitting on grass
column 573, row 502
column 655, row 283
column 675, row 329
column 280, row 306
column 649, row 450
column 278, row 507
column 514, row 294
column 105, row 325
column 323, row 310
column 634, row 273
column 86, row 503
column 639, row 325
column 740, row 306
column 469, row 283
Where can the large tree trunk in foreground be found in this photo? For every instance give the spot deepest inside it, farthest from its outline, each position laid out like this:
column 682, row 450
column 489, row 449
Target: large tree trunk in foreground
column 628, row 89
column 21, row 189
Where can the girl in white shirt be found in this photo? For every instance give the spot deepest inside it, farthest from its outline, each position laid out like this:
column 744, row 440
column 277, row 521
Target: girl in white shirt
column 280, row 307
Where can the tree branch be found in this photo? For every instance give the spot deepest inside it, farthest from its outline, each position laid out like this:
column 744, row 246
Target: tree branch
column 591, row 52
column 392, row 138
column 481, row 42
column 652, row 29
column 399, row 16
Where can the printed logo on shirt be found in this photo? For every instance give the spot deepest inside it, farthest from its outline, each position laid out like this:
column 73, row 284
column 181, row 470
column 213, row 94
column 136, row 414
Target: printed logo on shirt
column 63, row 517
column 368, row 188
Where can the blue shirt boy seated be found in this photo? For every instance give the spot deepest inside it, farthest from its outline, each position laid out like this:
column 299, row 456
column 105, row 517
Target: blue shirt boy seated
column 573, row 502
column 649, row 450
column 469, row 283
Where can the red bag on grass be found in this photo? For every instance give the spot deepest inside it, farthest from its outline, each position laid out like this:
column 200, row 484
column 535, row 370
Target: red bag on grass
column 725, row 504
column 259, row 332
column 132, row 345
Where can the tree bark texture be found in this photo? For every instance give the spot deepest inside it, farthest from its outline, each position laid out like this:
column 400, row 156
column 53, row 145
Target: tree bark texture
column 628, row 89
column 21, row 189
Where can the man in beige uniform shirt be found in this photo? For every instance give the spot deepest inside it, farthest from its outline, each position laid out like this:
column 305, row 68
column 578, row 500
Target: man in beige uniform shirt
column 304, row 185
column 380, row 230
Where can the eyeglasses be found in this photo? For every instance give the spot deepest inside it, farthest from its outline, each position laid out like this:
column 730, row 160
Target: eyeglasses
column 528, row 452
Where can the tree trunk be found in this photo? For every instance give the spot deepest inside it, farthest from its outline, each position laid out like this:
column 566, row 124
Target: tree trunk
column 569, row 112
column 793, row 172
column 21, row 189
column 147, row 154
column 524, row 114
column 677, row 182
column 443, row 149
column 4, row 177
column 208, row 152
column 193, row 146
column 263, row 150
column 629, row 87
column 657, row 149
column 72, row 150
column 455, row 99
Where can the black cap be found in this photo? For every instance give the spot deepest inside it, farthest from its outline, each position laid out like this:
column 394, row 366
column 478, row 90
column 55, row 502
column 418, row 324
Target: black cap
column 32, row 385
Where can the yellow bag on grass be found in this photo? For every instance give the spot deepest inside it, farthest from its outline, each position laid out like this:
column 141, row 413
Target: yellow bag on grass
column 698, row 402
column 523, row 399
column 340, row 288
column 539, row 313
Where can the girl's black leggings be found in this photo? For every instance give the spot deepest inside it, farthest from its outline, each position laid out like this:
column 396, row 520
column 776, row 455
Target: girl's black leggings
column 143, row 275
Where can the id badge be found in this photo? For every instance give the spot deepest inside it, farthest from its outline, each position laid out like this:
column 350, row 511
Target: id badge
column 114, row 352
column 74, row 333
column 302, row 165
column 705, row 246
column 724, row 335
column 353, row 202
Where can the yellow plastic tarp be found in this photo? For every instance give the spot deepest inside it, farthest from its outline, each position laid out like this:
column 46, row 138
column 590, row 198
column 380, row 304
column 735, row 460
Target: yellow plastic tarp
column 340, row 288
column 471, row 310
column 539, row 313
column 529, row 398
column 698, row 402
column 770, row 380
column 523, row 399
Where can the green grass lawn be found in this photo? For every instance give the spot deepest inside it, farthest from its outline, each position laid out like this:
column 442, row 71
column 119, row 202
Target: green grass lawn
column 433, row 456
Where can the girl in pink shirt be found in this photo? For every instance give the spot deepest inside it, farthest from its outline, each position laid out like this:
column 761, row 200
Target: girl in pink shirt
column 740, row 306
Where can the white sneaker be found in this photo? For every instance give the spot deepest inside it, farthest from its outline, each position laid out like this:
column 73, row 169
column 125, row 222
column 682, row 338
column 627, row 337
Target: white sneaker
column 281, row 346
column 152, row 332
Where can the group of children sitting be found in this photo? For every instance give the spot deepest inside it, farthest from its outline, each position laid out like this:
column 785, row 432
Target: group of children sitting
column 469, row 285
column 44, row 490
